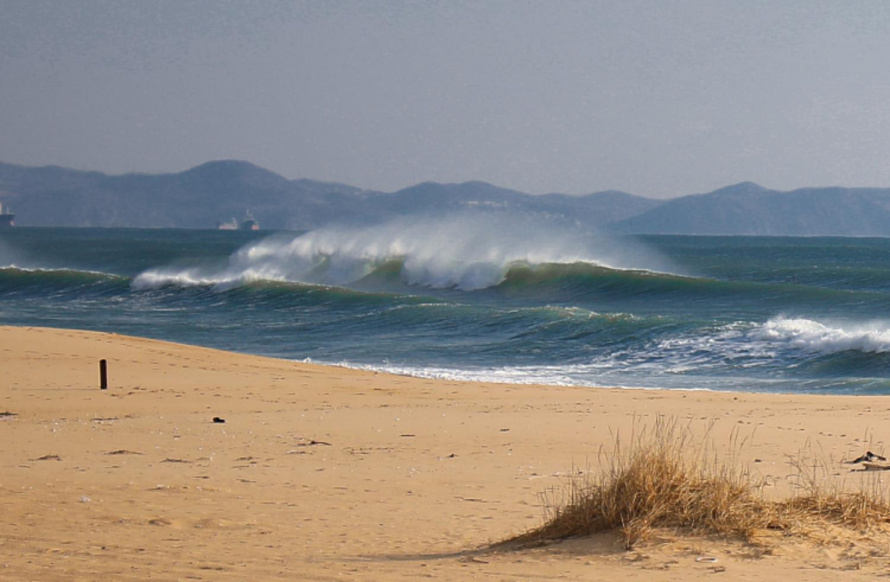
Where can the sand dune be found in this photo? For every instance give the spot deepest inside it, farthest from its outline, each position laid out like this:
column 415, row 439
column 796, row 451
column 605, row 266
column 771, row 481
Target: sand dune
column 326, row 473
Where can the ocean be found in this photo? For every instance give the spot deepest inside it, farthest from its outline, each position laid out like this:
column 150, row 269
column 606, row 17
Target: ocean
column 480, row 298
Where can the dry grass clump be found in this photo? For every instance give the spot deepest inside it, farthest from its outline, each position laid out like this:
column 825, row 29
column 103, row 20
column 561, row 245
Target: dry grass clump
column 820, row 500
column 663, row 481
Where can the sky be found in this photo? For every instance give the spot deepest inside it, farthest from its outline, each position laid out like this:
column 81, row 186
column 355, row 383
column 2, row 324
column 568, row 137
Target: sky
column 660, row 98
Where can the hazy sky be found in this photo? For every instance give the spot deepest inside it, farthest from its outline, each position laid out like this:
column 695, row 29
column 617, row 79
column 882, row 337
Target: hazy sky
column 655, row 97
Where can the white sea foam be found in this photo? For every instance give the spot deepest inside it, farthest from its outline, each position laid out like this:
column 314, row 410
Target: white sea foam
column 813, row 336
column 776, row 343
column 699, row 361
column 466, row 252
column 156, row 278
column 576, row 375
column 544, row 375
column 23, row 269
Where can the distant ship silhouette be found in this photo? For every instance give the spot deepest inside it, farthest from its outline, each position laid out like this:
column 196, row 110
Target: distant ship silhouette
column 249, row 223
column 6, row 217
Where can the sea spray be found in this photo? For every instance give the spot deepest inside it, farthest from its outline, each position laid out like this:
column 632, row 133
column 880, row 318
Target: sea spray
column 466, row 253
column 463, row 252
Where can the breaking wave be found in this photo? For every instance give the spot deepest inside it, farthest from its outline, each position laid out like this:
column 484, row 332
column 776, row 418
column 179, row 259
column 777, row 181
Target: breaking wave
column 815, row 337
column 463, row 253
column 14, row 278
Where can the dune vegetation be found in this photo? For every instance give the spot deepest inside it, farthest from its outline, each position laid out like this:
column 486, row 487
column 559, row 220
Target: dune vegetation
column 663, row 479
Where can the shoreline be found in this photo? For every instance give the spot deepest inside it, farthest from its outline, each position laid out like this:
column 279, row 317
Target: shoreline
column 370, row 368
column 321, row 471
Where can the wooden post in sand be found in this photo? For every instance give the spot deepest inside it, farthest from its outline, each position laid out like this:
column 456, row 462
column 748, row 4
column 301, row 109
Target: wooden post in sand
column 103, row 375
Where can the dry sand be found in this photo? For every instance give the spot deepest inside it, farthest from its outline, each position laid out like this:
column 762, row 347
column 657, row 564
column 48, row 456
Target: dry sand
column 326, row 473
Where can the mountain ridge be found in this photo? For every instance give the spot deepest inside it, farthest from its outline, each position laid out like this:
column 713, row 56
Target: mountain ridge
column 218, row 190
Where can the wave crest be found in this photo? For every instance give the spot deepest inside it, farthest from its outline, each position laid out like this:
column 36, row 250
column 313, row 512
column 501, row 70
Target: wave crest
column 813, row 336
column 467, row 253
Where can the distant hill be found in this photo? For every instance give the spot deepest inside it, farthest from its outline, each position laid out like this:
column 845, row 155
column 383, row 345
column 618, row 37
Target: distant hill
column 221, row 190
column 218, row 191
column 197, row 198
column 750, row 209
column 592, row 210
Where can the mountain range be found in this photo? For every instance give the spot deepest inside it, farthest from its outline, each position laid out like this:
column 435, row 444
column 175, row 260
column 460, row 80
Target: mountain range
column 218, row 191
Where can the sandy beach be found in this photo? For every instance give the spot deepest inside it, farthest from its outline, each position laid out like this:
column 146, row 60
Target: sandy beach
column 322, row 473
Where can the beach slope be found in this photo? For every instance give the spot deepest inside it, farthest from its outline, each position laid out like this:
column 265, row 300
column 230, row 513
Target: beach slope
column 205, row 465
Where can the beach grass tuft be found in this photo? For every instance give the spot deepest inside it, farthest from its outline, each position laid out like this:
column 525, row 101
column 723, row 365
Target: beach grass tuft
column 662, row 479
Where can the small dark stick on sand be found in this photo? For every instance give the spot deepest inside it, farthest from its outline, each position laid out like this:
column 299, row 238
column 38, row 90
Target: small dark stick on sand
column 103, row 375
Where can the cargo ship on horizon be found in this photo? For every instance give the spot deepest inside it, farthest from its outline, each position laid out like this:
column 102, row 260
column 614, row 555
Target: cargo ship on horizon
column 6, row 217
column 249, row 223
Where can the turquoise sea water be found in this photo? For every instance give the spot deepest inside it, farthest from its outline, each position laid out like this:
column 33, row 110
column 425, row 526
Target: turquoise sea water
column 499, row 300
